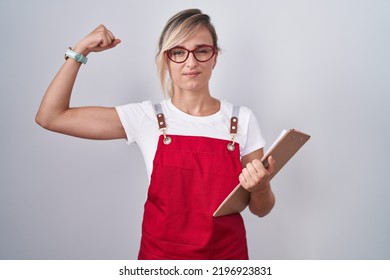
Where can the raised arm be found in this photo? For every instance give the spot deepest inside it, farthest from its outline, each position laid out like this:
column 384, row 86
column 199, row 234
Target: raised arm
column 87, row 122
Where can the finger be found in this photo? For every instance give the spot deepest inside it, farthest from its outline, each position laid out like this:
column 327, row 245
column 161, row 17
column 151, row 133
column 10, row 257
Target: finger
column 105, row 36
column 111, row 36
column 116, row 42
column 242, row 179
column 245, row 174
column 111, row 45
column 253, row 172
column 271, row 164
column 105, row 40
column 258, row 172
column 258, row 165
column 245, row 181
column 100, row 27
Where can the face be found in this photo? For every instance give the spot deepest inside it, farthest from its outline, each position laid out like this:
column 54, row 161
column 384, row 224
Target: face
column 193, row 75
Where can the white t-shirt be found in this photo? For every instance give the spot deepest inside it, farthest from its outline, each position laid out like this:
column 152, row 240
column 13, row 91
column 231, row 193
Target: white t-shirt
column 140, row 123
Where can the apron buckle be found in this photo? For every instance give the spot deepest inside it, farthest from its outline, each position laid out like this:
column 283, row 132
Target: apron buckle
column 167, row 140
column 231, row 147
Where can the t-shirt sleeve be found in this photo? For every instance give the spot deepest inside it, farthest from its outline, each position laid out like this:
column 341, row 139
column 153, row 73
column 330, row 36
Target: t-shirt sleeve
column 254, row 139
column 131, row 116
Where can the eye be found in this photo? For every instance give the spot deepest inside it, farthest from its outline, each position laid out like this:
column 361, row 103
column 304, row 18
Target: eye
column 177, row 52
column 204, row 50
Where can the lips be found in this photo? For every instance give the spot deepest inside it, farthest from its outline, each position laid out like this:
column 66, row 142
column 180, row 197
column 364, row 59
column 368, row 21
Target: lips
column 192, row 74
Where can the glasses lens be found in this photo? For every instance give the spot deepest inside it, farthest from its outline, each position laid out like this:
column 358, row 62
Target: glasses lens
column 204, row 53
column 201, row 54
column 178, row 54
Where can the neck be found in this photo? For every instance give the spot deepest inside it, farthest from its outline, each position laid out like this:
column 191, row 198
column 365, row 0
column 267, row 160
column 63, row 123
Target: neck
column 195, row 103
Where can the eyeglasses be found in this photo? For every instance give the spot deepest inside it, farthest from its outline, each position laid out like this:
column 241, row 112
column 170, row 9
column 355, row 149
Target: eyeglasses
column 202, row 53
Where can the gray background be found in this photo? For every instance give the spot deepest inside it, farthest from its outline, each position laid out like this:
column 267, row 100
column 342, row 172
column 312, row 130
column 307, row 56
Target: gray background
column 318, row 66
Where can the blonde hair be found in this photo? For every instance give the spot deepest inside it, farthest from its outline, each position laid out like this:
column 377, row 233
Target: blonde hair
column 178, row 28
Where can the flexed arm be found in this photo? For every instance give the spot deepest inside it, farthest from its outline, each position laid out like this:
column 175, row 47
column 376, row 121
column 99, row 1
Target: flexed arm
column 87, row 122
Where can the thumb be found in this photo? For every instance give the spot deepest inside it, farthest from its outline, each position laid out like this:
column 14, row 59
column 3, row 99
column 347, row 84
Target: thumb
column 113, row 44
column 116, row 42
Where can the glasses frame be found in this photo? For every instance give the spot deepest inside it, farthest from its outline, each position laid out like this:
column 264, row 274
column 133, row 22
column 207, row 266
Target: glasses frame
column 189, row 51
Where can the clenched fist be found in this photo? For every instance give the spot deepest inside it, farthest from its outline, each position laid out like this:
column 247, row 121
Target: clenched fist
column 98, row 40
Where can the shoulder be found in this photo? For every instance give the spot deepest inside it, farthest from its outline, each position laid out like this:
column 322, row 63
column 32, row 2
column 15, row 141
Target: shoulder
column 245, row 113
column 133, row 114
column 249, row 134
column 137, row 119
column 135, row 109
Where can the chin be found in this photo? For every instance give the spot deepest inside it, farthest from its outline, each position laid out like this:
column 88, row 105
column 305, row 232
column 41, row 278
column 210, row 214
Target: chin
column 192, row 87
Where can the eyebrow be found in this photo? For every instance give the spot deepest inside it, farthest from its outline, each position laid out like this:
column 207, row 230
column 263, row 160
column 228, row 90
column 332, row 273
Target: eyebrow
column 196, row 46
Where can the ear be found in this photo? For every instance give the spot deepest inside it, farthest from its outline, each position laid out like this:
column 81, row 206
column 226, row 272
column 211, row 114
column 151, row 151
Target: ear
column 215, row 60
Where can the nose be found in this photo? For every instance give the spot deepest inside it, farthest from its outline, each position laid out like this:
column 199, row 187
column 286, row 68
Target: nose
column 191, row 61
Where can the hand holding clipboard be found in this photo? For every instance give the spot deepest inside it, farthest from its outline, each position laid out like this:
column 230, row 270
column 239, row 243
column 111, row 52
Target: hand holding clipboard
column 283, row 149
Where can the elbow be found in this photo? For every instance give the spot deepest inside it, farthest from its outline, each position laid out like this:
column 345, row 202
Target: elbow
column 42, row 121
column 260, row 213
column 265, row 208
column 49, row 120
column 39, row 120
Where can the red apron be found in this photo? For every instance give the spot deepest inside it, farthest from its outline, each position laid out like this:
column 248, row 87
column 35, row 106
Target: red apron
column 191, row 176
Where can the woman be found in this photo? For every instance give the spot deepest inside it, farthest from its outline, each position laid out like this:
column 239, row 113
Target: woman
column 196, row 148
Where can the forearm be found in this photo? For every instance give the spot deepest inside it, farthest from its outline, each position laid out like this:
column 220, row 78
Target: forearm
column 57, row 97
column 262, row 202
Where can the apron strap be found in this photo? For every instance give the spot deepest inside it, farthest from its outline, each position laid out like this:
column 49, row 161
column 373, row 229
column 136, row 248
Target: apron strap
column 160, row 116
column 233, row 127
column 161, row 123
column 234, row 120
column 167, row 140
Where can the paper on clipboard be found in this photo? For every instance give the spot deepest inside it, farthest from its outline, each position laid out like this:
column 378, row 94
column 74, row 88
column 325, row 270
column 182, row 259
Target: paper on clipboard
column 282, row 150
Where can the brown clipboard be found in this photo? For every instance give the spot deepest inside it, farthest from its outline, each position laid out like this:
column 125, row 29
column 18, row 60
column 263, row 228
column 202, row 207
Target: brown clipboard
column 283, row 149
